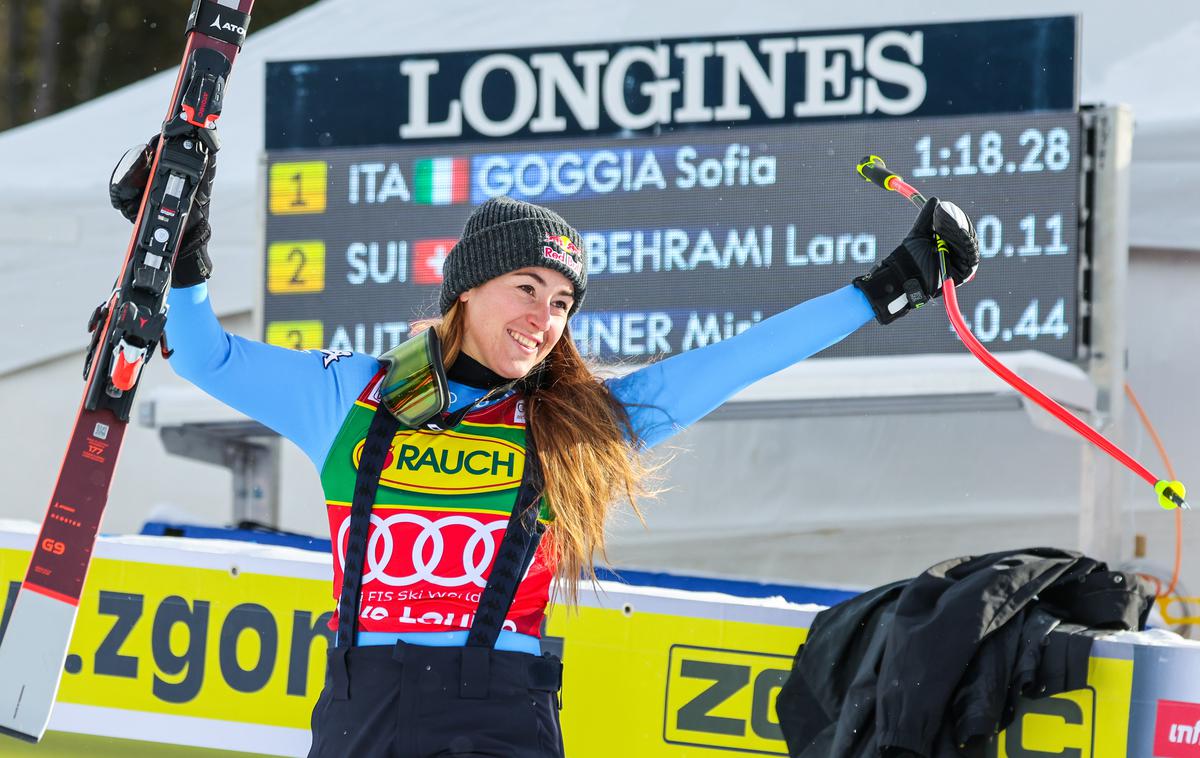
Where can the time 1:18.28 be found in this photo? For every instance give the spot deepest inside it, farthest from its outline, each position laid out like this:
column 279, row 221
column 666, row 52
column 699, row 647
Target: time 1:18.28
column 1038, row 151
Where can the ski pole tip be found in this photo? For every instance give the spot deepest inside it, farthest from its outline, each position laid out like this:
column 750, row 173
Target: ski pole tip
column 1171, row 495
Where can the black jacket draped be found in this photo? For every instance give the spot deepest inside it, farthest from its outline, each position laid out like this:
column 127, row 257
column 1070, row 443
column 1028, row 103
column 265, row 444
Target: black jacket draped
column 935, row 665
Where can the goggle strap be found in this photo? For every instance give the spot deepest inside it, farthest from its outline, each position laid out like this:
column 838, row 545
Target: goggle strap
column 450, row 420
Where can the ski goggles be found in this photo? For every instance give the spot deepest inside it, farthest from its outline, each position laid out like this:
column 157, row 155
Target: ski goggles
column 414, row 388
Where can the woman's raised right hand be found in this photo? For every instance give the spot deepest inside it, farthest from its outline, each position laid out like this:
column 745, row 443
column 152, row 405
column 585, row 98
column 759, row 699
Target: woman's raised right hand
column 125, row 189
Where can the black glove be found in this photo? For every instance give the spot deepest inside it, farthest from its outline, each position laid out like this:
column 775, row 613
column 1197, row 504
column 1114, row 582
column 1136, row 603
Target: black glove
column 911, row 275
column 125, row 190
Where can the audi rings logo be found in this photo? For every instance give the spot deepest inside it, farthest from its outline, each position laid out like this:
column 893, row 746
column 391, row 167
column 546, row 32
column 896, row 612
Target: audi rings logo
column 449, row 463
column 435, row 557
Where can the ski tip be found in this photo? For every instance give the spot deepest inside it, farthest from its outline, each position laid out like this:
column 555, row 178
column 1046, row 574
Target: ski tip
column 20, row 735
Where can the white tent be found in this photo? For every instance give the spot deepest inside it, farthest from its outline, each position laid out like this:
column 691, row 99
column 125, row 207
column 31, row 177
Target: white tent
column 60, row 245
column 55, row 227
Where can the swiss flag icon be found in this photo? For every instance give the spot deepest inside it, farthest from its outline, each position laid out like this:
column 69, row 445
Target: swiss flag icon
column 428, row 258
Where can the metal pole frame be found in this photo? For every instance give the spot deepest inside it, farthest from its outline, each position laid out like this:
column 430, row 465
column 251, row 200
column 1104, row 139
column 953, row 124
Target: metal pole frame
column 1105, row 215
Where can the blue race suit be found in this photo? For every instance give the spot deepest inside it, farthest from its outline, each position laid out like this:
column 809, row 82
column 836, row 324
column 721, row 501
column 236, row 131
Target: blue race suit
column 307, row 396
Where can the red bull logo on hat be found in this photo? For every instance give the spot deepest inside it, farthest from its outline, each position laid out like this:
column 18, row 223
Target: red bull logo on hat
column 560, row 248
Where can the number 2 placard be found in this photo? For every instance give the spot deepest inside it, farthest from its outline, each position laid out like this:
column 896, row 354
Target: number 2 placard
column 294, row 267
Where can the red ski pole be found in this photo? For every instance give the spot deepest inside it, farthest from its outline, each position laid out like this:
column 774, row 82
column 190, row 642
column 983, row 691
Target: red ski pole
column 1170, row 493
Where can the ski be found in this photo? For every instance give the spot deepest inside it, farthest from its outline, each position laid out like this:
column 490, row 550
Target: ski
column 126, row 330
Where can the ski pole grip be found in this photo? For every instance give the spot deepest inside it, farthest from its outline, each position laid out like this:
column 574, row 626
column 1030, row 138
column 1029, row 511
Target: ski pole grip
column 874, row 170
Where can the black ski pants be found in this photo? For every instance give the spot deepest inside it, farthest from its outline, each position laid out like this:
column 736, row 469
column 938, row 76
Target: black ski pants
column 411, row 701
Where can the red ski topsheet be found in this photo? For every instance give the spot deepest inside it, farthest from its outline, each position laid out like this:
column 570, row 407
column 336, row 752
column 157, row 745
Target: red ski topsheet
column 59, row 564
column 60, row 558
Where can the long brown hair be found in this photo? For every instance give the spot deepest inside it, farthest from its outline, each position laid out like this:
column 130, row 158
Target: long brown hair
column 583, row 437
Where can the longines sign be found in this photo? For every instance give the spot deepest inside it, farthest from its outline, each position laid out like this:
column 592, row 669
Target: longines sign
column 662, row 85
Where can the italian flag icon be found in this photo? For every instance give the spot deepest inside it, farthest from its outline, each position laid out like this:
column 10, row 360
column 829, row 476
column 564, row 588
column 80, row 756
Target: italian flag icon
column 441, row 181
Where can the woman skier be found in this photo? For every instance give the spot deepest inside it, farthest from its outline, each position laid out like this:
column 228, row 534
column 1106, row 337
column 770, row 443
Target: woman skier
column 445, row 461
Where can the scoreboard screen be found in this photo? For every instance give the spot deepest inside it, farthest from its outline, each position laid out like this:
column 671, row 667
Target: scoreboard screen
column 693, row 232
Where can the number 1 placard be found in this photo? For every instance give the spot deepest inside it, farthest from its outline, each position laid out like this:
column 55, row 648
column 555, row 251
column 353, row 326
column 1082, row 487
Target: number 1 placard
column 297, row 188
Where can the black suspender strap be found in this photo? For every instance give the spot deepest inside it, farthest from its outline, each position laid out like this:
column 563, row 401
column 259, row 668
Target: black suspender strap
column 375, row 448
column 517, row 548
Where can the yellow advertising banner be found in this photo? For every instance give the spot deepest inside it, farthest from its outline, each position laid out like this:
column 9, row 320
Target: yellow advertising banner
column 228, row 653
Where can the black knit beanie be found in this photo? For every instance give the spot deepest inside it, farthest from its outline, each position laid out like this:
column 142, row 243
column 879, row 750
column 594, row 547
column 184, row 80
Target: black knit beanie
column 503, row 235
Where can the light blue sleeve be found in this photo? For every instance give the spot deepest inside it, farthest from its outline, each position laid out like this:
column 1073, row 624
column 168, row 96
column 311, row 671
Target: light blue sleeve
column 302, row 395
column 670, row 395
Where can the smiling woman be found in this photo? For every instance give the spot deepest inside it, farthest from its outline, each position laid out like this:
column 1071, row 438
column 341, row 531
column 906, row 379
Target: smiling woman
column 445, row 461
column 514, row 320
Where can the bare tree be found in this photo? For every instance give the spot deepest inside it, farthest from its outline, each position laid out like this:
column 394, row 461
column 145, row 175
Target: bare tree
column 55, row 54
column 13, row 63
column 49, row 42
column 91, row 49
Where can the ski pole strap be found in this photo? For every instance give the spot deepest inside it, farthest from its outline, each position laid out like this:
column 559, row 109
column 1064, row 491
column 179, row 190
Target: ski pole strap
column 218, row 21
column 517, row 548
column 375, row 448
